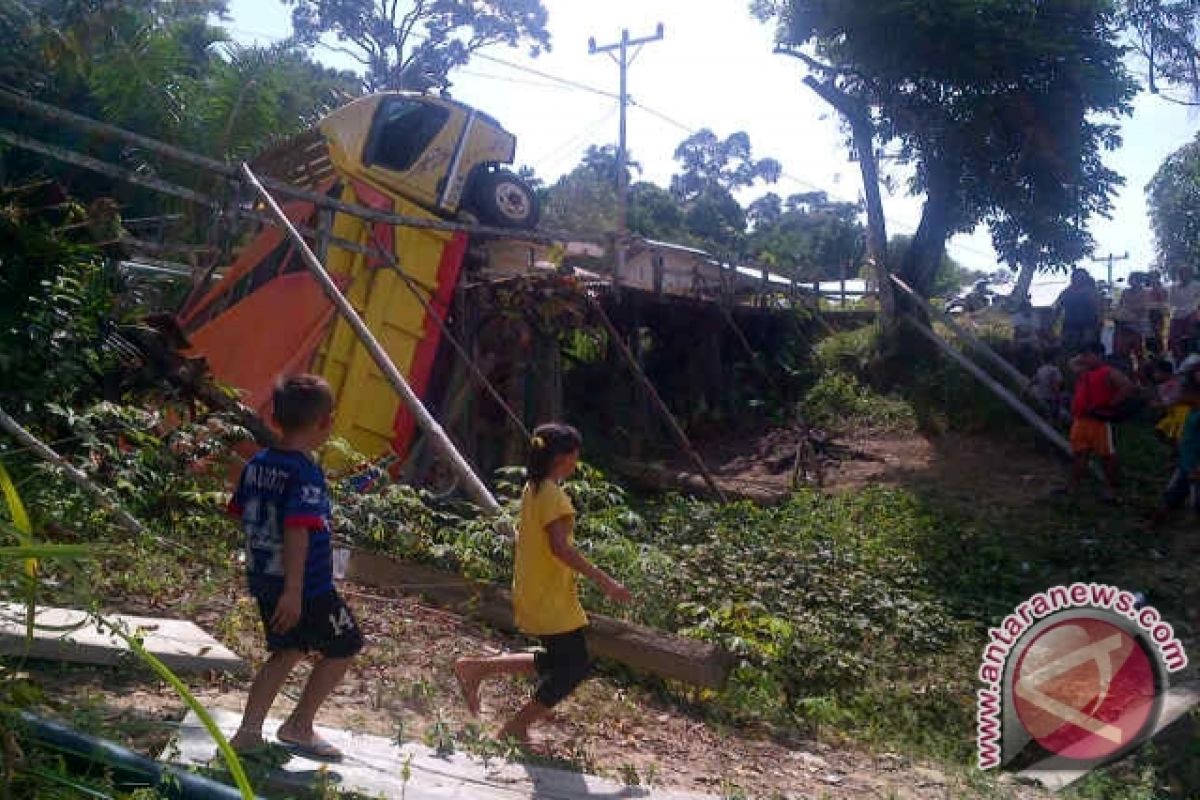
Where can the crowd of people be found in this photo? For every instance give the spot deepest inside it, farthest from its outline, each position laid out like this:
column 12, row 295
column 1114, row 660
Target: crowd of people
column 1150, row 360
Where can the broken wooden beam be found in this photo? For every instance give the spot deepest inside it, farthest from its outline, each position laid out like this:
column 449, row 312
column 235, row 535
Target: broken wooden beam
column 655, row 397
column 636, row 646
column 659, row 478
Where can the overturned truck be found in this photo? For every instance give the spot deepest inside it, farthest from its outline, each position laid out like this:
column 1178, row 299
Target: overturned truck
column 403, row 154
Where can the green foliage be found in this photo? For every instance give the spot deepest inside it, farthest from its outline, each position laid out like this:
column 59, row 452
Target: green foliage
column 415, row 45
column 998, row 108
column 838, row 401
column 162, row 70
column 41, row 774
column 811, row 238
column 51, row 345
column 851, row 351
column 1173, row 197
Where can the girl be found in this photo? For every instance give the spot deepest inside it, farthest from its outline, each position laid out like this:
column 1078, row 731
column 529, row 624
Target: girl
column 545, row 600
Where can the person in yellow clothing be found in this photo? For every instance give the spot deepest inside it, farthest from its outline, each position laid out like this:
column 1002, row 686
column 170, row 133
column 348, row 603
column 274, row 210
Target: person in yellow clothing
column 545, row 596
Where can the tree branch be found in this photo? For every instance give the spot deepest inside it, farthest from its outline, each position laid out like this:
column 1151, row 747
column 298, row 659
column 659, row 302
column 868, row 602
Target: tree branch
column 812, row 63
column 410, row 20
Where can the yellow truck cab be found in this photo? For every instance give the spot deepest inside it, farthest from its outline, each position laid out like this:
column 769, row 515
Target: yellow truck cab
column 436, row 152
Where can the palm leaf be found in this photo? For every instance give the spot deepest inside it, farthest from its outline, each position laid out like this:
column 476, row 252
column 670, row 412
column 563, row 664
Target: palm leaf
column 236, row 770
column 24, row 529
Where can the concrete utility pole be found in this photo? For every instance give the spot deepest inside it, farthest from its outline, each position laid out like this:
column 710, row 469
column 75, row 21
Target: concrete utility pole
column 623, row 59
column 1110, row 259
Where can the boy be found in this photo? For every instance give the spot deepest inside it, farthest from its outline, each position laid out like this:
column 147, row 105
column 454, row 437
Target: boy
column 282, row 501
column 1099, row 391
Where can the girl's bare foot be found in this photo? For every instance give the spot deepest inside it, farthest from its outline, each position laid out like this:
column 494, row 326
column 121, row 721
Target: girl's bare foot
column 467, row 674
column 520, row 736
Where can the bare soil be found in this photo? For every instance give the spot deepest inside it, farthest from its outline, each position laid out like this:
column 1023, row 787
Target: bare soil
column 403, row 687
column 761, row 461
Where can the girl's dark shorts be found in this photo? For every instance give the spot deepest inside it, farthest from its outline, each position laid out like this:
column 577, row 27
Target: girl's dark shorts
column 562, row 664
column 327, row 626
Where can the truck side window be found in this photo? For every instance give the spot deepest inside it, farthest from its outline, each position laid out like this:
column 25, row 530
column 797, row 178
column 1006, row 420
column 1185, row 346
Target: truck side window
column 403, row 129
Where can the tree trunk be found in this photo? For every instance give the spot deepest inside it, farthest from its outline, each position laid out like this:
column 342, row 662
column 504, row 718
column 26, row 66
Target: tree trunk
column 1024, row 281
column 858, row 117
column 924, row 257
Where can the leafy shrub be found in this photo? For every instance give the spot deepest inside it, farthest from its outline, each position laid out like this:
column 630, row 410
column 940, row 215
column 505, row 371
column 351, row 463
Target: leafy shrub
column 53, row 349
column 839, row 401
column 848, row 351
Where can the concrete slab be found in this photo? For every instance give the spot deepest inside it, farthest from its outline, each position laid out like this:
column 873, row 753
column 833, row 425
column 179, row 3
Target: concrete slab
column 65, row 634
column 1179, row 701
column 374, row 766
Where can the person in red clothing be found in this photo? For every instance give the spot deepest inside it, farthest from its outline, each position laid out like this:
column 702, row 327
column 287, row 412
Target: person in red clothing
column 1100, row 390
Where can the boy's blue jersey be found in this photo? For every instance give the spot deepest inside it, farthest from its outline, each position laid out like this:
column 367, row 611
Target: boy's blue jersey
column 278, row 489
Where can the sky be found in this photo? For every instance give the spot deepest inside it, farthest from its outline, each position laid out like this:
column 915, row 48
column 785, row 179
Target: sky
column 715, row 68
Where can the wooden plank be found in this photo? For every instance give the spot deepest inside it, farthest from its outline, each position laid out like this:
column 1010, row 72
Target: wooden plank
column 1030, row 416
column 1018, row 378
column 1179, row 702
column 637, row 646
column 64, row 634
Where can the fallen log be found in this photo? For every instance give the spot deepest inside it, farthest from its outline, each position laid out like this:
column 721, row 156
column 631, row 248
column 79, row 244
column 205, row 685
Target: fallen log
column 637, row 646
column 663, row 479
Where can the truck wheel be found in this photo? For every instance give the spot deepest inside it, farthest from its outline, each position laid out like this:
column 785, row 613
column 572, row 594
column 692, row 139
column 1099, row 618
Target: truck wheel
column 501, row 198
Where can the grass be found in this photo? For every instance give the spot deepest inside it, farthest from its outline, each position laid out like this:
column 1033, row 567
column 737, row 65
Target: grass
column 857, row 618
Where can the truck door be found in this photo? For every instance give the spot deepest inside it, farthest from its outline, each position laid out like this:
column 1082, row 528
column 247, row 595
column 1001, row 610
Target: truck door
column 411, row 146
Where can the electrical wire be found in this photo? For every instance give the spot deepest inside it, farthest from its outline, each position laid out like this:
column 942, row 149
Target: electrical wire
column 561, row 150
column 557, row 82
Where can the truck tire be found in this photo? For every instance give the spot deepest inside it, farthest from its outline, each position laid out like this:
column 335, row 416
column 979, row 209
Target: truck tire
column 502, row 199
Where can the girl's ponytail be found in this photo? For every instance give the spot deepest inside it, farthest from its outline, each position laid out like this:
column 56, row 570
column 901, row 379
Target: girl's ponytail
column 549, row 441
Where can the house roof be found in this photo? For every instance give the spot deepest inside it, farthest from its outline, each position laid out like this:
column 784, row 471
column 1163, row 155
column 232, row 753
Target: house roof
column 679, row 248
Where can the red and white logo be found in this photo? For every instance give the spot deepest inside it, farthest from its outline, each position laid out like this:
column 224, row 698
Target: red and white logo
column 1084, row 688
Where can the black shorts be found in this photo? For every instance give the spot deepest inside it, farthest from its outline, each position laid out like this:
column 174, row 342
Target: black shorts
column 326, row 626
column 562, row 664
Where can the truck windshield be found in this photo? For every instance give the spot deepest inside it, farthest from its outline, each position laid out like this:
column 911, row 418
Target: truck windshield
column 403, row 129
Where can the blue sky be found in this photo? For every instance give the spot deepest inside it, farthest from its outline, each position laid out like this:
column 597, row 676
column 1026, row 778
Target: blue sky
column 715, row 69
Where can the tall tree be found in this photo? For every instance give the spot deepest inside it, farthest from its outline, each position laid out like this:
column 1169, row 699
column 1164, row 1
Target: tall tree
column 709, row 163
column 1164, row 33
column 415, row 44
column 808, row 237
column 1174, row 204
column 995, row 107
column 161, row 69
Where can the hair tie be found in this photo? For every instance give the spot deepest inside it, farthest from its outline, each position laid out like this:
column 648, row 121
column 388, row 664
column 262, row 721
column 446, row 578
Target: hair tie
column 537, row 442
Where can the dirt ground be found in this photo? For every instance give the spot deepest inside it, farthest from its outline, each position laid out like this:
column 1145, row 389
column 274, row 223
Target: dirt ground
column 762, row 461
column 403, row 685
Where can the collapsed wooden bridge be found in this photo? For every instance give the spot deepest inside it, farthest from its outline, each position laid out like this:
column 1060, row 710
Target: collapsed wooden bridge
column 379, row 291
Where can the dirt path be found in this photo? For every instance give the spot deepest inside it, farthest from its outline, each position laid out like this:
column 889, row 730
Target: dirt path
column 403, row 687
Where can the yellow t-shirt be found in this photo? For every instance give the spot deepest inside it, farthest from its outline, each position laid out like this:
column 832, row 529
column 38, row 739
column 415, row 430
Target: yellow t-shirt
column 545, row 598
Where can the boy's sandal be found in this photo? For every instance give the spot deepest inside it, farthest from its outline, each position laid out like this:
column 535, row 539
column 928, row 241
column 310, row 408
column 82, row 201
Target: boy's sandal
column 318, row 749
column 265, row 754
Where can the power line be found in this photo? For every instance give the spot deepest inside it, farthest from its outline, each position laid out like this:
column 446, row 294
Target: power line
column 583, row 87
column 559, row 151
column 557, row 81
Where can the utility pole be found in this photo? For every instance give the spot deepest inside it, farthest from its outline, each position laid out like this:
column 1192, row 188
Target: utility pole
column 1110, row 259
column 623, row 59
